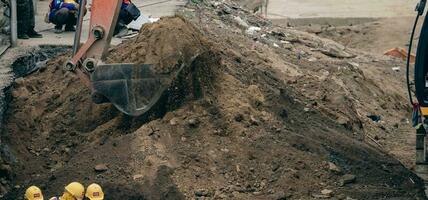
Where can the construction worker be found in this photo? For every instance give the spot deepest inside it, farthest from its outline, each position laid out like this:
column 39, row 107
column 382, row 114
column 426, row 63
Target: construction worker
column 26, row 20
column 73, row 191
column 94, row 192
column 63, row 12
column 33, row 193
column 128, row 13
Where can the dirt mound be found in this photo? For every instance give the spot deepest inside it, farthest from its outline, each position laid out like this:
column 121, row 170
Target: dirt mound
column 230, row 127
column 162, row 44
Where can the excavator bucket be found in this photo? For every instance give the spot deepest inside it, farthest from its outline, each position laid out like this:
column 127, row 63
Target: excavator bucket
column 132, row 88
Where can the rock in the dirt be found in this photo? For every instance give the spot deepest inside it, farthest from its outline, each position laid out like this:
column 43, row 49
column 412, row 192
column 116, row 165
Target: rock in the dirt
column 173, row 121
column 327, row 192
column 342, row 120
column 239, row 117
column 202, row 193
column 101, row 168
column 335, row 50
column 19, row 81
column 254, row 121
column 226, row 10
column 320, row 196
column 315, row 28
column 347, row 179
column 252, row 30
column 137, row 176
column 284, row 113
column 241, row 22
column 333, row 167
column 193, row 123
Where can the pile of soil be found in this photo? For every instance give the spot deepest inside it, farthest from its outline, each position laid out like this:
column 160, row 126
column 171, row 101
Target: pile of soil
column 246, row 119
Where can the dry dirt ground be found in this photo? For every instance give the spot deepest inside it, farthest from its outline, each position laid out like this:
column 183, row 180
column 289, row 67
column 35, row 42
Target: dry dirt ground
column 271, row 114
column 376, row 36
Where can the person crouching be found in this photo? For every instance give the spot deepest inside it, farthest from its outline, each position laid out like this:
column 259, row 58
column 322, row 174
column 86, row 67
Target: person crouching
column 64, row 13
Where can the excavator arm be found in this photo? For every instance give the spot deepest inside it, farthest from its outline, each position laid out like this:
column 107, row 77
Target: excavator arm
column 104, row 15
column 132, row 88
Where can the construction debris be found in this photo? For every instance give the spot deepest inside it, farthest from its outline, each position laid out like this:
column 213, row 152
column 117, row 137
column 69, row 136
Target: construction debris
column 400, row 53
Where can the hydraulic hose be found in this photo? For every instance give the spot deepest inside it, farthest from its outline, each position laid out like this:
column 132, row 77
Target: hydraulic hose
column 420, row 9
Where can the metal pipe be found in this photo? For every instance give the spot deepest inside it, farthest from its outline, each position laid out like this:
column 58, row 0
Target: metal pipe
column 420, row 145
column 79, row 28
column 13, row 23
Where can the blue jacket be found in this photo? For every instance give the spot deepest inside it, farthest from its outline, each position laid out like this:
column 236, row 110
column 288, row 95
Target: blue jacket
column 58, row 4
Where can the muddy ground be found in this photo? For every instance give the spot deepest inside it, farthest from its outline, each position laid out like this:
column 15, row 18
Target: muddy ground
column 271, row 114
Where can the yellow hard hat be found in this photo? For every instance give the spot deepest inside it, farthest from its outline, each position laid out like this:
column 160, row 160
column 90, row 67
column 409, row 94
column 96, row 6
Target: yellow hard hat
column 94, row 192
column 76, row 189
column 33, row 193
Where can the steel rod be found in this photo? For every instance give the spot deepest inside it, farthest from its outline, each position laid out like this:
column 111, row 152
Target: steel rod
column 79, row 27
column 13, row 24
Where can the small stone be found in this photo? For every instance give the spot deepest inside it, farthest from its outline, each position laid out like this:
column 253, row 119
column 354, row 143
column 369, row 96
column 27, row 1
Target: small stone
column 101, row 168
column 202, row 193
column 173, row 121
column 275, row 166
column 284, row 113
column 319, row 196
column 315, row 28
column 306, row 109
column 19, row 81
column 193, row 123
column 254, row 121
column 354, row 65
column 312, row 59
column 347, row 179
column 333, row 167
column 226, row 10
column 327, row 192
column 137, row 176
column 241, row 22
column 342, row 120
column 239, row 117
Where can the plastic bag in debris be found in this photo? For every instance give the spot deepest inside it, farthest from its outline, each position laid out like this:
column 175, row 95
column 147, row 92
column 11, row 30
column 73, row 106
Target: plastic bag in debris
column 140, row 21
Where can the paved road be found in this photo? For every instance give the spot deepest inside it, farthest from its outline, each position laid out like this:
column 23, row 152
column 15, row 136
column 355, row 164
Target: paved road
column 154, row 8
column 340, row 8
